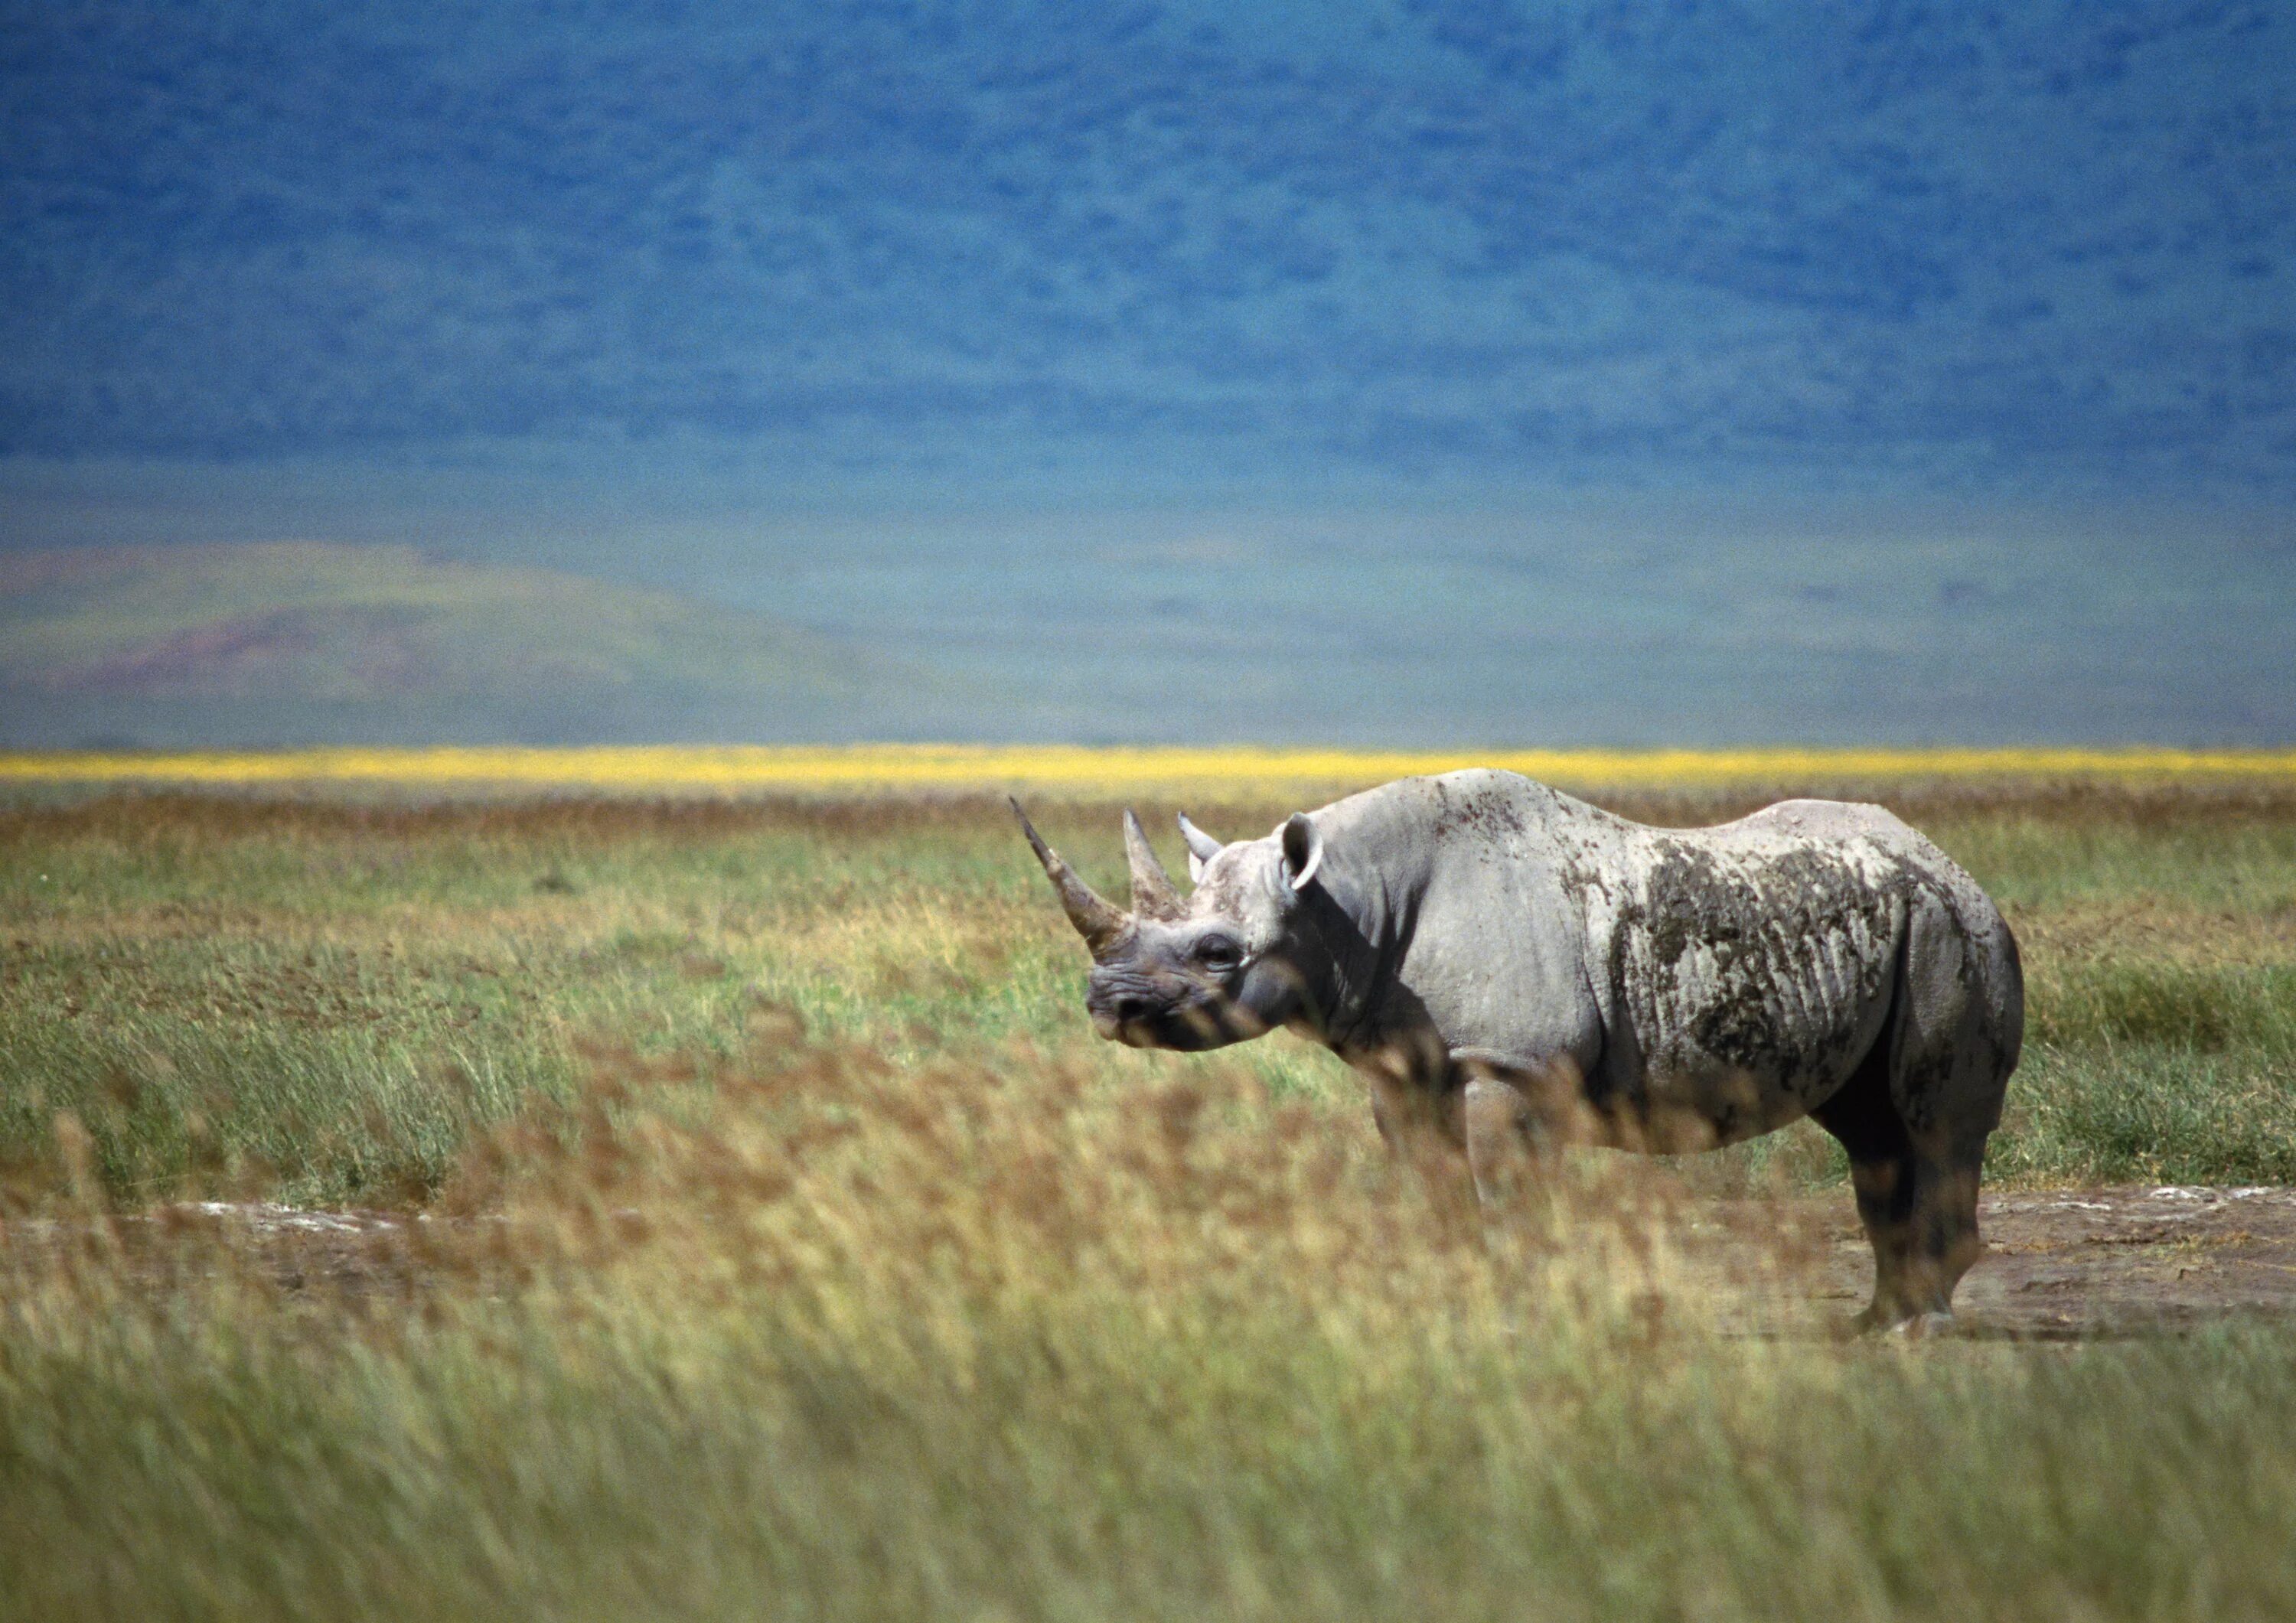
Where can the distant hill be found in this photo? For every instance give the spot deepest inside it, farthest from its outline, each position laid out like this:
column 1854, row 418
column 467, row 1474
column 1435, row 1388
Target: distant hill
column 311, row 642
column 1963, row 245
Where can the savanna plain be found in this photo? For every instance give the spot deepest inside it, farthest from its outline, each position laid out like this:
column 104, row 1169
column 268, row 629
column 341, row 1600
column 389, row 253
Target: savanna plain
column 598, row 1207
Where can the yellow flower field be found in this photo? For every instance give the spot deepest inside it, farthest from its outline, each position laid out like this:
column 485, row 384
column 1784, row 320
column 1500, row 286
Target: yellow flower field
column 734, row 769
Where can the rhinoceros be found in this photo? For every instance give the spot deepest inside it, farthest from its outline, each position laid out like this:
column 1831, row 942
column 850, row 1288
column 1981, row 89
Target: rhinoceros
column 1511, row 969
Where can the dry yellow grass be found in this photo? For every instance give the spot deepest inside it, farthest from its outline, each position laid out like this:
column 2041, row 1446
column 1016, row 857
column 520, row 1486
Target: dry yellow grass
column 1060, row 768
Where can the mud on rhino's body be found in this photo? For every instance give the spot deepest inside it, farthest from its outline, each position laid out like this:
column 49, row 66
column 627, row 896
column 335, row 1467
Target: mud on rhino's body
column 1507, row 966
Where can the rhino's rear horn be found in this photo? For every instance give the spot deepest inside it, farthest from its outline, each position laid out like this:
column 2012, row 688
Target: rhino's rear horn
column 1201, row 847
column 1101, row 923
column 1153, row 894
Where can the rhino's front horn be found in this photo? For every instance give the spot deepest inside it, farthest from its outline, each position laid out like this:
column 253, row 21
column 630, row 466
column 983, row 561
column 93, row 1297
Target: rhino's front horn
column 1153, row 895
column 1100, row 924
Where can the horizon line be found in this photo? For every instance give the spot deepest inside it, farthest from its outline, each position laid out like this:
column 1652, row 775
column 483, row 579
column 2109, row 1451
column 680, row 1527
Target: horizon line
column 949, row 767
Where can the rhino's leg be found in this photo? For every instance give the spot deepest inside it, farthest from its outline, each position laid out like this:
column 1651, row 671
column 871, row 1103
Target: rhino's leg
column 1502, row 1144
column 1952, row 1044
column 1412, row 1105
column 1914, row 1117
column 1898, row 1189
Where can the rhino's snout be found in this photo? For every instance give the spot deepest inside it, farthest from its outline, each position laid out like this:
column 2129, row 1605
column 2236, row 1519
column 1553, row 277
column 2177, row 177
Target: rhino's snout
column 1111, row 1015
column 1137, row 1010
column 1122, row 1004
column 1119, row 1013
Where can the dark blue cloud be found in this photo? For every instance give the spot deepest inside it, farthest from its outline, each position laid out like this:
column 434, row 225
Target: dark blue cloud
column 1954, row 243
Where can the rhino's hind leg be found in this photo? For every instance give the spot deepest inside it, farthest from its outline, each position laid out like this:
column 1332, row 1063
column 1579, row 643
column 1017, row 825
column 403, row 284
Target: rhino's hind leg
column 1915, row 1116
column 1917, row 1197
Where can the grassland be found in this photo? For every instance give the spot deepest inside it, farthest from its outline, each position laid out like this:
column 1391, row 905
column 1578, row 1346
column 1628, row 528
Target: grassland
column 327, row 1000
column 767, row 1237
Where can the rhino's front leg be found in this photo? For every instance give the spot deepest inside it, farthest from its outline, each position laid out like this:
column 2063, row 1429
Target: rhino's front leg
column 1516, row 1115
column 1415, row 1104
column 1412, row 1119
column 1502, row 1139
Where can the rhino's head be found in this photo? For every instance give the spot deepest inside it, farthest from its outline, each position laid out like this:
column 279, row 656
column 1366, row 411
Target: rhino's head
column 1226, row 962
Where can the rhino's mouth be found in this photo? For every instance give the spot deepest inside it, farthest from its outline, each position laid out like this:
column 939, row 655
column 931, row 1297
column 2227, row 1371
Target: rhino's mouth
column 1195, row 1019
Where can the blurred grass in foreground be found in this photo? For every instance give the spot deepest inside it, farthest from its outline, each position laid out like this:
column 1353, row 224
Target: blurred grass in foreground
column 801, row 1333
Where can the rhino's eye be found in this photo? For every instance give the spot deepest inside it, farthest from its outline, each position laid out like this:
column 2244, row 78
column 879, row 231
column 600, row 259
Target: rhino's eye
column 1220, row 952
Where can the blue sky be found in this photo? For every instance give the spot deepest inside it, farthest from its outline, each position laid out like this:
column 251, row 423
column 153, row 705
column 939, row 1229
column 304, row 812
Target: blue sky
column 945, row 260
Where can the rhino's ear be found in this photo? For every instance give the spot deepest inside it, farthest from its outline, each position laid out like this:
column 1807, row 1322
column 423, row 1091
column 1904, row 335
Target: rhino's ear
column 1303, row 851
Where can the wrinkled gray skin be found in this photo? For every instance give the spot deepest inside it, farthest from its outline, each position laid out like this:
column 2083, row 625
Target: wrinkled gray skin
column 1512, row 969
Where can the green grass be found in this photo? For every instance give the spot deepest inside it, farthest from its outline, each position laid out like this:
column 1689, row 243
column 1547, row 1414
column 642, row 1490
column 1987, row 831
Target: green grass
column 325, row 1002
column 816, row 1263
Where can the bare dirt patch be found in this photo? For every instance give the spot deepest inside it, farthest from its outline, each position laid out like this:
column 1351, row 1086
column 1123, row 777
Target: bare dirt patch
column 2117, row 1261
column 2060, row 1264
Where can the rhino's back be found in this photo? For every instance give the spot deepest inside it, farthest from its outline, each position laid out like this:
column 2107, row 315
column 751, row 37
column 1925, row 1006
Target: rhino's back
column 1748, row 966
